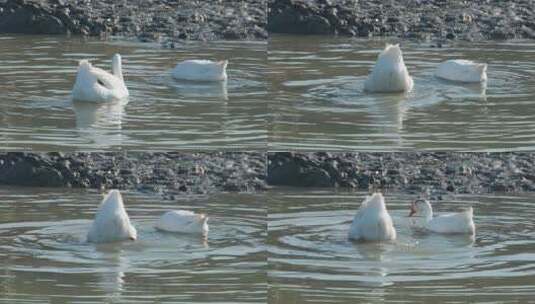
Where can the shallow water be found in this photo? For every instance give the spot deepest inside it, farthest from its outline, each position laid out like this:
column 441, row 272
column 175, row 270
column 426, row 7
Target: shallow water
column 44, row 257
column 36, row 112
column 311, row 260
column 318, row 102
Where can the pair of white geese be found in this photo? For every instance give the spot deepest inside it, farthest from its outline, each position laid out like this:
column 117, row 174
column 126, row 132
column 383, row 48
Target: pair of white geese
column 373, row 222
column 388, row 75
column 96, row 85
column 112, row 224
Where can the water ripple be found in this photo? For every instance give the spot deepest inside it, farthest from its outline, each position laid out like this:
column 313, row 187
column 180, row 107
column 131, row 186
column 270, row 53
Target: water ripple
column 309, row 253
column 37, row 74
column 319, row 98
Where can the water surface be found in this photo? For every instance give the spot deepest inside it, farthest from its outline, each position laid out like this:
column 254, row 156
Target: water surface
column 44, row 256
column 316, row 85
column 36, row 112
column 311, row 260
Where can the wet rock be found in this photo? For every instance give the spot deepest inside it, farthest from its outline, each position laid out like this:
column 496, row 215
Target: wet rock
column 414, row 172
column 164, row 173
column 301, row 172
column 29, row 19
column 424, row 20
column 29, row 170
column 156, row 21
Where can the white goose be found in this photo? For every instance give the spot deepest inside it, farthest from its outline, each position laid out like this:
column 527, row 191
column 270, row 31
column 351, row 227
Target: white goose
column 452, row 223
column 372, row 221
column 201, row 70
column 96, row 85
column 389, row 73
column 462, row 71
column 111, row 223
column 183, row 221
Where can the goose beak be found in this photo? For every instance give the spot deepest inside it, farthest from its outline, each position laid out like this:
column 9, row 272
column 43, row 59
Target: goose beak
column 412, row 209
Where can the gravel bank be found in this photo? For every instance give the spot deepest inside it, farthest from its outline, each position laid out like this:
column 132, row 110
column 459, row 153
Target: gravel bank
column 165, row 21
column 421, row 172
column 170, row 174
column 419, row 19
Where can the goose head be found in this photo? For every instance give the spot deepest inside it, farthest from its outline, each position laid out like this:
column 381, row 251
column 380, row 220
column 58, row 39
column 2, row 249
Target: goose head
column 421, row 208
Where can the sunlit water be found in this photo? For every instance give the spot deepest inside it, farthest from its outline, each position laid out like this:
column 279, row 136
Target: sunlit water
column 44, row 257
column 36, row 112
column 316, row 84
column 311, row 260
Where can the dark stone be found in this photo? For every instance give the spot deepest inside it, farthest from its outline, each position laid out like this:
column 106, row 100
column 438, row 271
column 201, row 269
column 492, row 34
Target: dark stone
column 26, row 174
column 30, row 21
column 317, row 178
column 292, row 22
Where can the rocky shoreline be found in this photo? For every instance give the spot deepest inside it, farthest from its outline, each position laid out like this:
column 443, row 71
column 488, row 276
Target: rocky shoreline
column 170, row 21
column 170, row 174
column 164, row 21
column 174, row 173
column 417, row 19
column 431, row 173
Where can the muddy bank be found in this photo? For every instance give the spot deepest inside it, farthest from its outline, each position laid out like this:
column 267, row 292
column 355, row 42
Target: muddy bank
column 414, row 172
column 164, row 21
column 419, row 19
column 170, row 174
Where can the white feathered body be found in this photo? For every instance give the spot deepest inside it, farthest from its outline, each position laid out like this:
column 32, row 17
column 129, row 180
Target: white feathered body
column 111, row 222
column 453, row 223
column 462, row 71
column 201, row 70
column 389, row 74
column 372, row 221
column 183, row 221
column 96, row 85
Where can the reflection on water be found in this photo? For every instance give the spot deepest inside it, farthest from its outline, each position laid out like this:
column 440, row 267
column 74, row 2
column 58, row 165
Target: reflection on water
column 312, row 261
column 217, row 89
column 44, row 256
column 100, row 123
column 101, row 115
column 37, row 74
column 316, row 84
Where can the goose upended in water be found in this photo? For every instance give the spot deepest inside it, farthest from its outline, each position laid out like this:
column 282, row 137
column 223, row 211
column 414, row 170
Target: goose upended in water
column 372, row 221
column 462, row 71
column 111, row 222
column 452, row 223
column 96, row 85
column 389, row 74
column 201, row 70
column 183, row 221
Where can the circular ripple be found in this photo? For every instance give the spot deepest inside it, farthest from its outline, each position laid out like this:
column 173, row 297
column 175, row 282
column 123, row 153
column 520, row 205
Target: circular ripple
column 43, row 238
column 321, row 102
column 309, row 242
